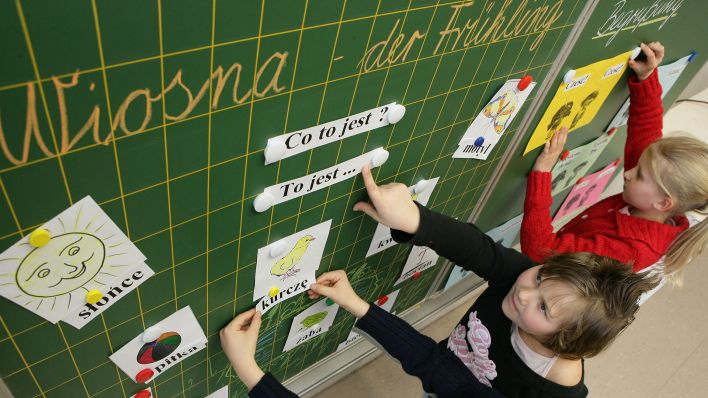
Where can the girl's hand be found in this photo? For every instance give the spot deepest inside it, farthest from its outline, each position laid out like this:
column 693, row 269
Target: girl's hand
column 336, row 286
column 551, row 150
column 655, row 54
column 238, row 340
column 391, row 204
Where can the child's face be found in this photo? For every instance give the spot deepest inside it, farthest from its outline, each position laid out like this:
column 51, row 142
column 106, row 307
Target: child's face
column 537, row 306
column 640, row 188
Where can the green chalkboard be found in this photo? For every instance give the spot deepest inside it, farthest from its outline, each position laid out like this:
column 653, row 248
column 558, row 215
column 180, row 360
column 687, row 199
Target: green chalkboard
column 113, row 99
column 614, row 27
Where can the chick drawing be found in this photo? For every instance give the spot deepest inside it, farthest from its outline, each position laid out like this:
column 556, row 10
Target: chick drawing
column 285, row 267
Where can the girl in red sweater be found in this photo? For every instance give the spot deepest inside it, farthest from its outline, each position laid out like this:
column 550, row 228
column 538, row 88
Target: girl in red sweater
column 664, row 178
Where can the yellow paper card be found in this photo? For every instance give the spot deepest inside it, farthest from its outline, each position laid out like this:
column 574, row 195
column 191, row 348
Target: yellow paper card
column 575, row 104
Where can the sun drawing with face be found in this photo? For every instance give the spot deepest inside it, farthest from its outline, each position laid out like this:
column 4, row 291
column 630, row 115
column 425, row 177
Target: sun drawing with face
column 86, row 251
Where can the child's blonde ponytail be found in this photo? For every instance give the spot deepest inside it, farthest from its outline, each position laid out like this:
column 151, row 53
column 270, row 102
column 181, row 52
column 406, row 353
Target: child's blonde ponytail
column 680, row 167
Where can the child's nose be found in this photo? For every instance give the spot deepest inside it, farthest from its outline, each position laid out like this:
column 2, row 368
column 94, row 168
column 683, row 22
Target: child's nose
column 524, row 295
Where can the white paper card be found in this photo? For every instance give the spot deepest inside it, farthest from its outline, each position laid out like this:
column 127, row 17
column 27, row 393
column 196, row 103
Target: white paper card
column 302, row 253
column 486, row 129
column 223, row 392
column 128, row 281
column 313, row 137
column 506, row 233
column 303, row 285
column 312, row 322
column 86, row 251
column 292, row 189
column 420, row 258
column 182, row 337
column 566, row 172
column 382, row 239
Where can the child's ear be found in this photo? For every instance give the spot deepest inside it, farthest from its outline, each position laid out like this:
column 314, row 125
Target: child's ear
column 665, row 205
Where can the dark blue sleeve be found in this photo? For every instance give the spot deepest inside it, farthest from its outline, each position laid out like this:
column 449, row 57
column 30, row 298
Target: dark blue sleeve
column 269, row 387
column 440, row 371
column 465, row 245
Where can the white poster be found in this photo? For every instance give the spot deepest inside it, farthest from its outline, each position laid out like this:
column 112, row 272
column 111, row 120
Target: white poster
column 312, row 137
column 382, row 239
column 312, row 322
column 83, row 250
column 486, row 129
column 179, row 336
column 290, row 260
column 420, row 258
column 223, row 392
column 668, row 75
column 506, row 233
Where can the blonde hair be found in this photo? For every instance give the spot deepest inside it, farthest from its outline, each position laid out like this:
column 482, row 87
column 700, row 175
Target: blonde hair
column 680, row 169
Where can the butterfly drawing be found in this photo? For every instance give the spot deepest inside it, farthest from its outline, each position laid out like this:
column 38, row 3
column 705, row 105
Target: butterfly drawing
column 500, row 110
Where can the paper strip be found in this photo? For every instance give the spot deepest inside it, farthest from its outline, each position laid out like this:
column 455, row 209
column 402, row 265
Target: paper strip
column 313, row 137
column 322, row 179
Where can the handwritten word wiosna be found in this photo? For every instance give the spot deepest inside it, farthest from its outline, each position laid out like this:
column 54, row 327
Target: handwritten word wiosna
column 266, row 80
column 486, row 27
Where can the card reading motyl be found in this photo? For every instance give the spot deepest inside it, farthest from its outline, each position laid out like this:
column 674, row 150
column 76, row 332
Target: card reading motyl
column 486, row 129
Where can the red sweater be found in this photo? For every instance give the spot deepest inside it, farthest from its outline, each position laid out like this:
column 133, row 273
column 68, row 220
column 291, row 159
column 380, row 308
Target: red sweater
column 602, row 229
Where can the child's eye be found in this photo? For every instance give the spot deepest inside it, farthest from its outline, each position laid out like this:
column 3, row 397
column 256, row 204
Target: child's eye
column 538, row 278
column 543, row 307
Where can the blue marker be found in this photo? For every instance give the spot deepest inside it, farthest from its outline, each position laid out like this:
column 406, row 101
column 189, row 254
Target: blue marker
column 479, row 141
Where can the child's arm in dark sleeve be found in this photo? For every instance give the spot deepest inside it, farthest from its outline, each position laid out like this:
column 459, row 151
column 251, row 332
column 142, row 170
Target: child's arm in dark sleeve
column 646, row 114
column 465, row 245
column 269, row 387
column 440, row 371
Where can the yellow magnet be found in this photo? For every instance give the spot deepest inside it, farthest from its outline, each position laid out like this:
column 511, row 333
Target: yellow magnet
column 273, row 291
column 93, row 296
column 39, row 237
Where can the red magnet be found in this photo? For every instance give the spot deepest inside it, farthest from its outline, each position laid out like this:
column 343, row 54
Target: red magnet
column 565, row 154
column 144, row 375
column 382, row 300
column 142, row 394
column 416, row 275
column 524, row 82
column 611, row 131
